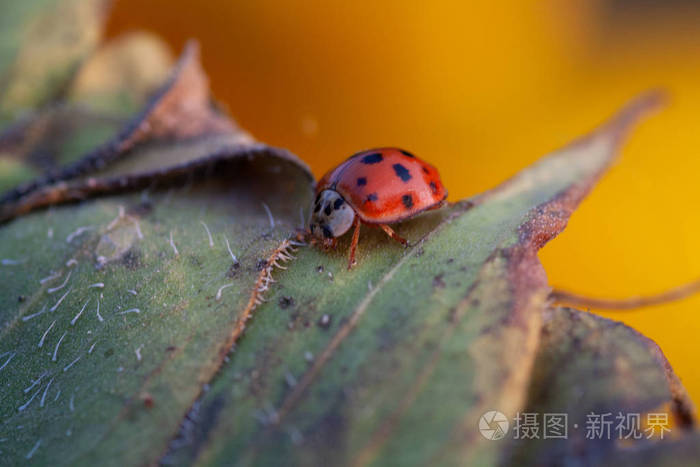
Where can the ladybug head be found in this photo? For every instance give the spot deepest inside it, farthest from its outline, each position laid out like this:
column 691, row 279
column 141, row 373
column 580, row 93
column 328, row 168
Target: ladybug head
column 332, row 216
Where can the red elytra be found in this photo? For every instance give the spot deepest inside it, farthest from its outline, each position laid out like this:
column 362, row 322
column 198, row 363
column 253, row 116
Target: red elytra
column 377, row 186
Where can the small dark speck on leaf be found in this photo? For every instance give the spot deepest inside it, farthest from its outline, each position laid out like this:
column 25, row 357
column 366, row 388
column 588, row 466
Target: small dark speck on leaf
column 195, row 261
column 147, row 400
column 286, row 302
column 325, row 321
column 170, row 348
column 319, row 269
column 438, row 282
column 450, row 260
column 109, row 353
column 452, row 315
column 21, row 298
column 430, row 345
column 141, row 209
column 132, row 259
column 233, row 270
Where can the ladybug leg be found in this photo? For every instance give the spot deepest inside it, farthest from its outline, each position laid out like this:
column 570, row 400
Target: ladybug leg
column 353, row 244
column 329, row 243
column 390, row 232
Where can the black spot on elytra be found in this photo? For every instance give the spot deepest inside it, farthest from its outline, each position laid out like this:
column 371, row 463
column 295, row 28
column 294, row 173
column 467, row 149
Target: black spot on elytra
column 433, row 187
column 362, row 181
column 338, row 202
column 327, row 210
column 407, row 201
column 425, row 170
column 407, row 154
column 327, row 232
column 402, row 172
column 373, row 158
column 372, row 197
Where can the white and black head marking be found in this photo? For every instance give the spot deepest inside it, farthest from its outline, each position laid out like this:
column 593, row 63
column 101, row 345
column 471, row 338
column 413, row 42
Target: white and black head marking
column 332, row 216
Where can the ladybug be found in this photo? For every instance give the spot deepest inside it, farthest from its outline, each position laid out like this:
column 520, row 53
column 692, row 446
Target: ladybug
column 376, row 187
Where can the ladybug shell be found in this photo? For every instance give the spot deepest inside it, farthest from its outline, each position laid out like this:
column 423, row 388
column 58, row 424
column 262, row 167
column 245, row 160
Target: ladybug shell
column 385, row 185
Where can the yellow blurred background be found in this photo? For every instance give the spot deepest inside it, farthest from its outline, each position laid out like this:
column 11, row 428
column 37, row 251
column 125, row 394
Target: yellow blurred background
column 481, row 90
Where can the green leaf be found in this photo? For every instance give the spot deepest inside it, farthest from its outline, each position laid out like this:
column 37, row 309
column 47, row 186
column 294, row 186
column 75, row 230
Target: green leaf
column 146, row 314
column 48, row 141
column 677, row 452
column 122, row 74
column 42, row 42
column 588, row 366
column 156, row 278
column 180, row 111
column 173, row 265
column 394, row 361
column 105, row 96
